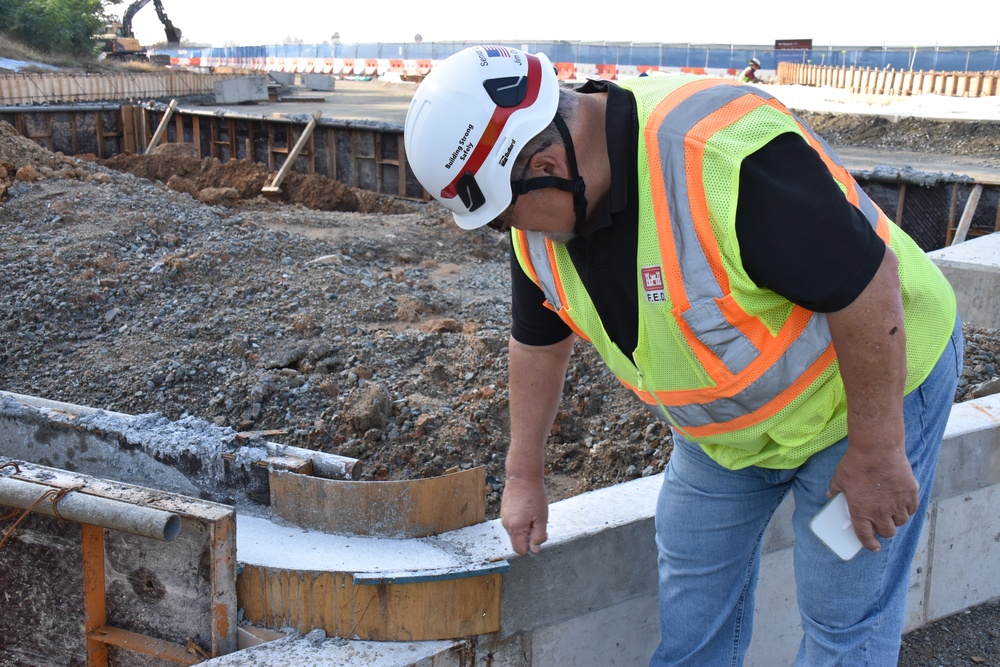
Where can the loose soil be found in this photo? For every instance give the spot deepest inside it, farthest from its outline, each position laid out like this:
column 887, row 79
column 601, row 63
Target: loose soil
column 356, row 324
column 361, row 325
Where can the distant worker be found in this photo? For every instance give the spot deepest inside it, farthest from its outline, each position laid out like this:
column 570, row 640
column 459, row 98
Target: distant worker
column 750, row 73
column 732, row 273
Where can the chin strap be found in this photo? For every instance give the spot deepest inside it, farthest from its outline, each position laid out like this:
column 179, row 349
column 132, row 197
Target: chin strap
column 574, row 185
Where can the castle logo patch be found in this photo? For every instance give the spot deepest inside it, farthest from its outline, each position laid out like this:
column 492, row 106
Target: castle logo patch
column 652, row 283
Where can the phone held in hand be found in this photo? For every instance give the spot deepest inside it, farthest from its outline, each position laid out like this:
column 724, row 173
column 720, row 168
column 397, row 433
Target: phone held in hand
column 832, row 525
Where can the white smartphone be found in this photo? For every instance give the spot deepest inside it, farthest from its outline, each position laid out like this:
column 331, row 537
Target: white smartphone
column 832, row 525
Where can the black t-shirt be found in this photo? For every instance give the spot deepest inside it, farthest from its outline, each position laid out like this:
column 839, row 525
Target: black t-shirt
column 798, row 235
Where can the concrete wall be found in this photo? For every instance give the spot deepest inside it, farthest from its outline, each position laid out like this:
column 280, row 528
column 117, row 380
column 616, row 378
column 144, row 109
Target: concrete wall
column 589, row 598
column 973, row 268
column 240, row 91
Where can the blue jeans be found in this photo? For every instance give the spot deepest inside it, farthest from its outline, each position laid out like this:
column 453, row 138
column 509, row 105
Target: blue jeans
column 710, row 522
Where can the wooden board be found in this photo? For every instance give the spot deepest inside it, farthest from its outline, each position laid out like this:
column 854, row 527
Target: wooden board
column 410, row 508
column 78, row 589
column 445, row 608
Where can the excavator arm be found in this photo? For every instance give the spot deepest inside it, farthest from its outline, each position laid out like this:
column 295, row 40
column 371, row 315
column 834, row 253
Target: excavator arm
column 129, row 14
column 173, row 32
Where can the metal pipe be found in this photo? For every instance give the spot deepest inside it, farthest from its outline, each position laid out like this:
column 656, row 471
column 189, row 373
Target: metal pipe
column 95, row 510
column 328, row 466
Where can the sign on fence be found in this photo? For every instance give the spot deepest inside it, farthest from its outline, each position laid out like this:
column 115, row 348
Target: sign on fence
column 797, row 44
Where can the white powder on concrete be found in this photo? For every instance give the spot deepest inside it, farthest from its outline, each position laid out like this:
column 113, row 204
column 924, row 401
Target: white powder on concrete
column 267, row 544
column 315, row 650
column 159, row 436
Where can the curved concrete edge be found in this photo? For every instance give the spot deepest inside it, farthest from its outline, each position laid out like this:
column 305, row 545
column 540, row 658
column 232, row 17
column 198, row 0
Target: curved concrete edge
column 590, row 596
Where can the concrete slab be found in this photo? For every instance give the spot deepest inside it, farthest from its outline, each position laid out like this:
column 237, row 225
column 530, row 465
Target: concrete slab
column 966, row 535
column 321, row 82
column 316, row 650
column 973, row 269
column 628, row 635
column 240, row 91
column 370, row 101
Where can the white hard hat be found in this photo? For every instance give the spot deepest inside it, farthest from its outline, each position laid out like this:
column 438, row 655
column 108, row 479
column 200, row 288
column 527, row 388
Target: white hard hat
column 754, row 61
column 469, row 120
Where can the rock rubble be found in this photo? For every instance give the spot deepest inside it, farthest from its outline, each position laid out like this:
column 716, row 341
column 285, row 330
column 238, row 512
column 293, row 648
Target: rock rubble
column 378, row 334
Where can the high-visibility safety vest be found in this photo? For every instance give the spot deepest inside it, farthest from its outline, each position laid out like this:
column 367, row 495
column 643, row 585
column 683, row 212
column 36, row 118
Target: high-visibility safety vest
column 740, row 370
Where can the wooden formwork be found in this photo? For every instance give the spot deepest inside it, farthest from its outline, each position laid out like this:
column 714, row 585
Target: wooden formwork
column 369, row 156
column 891, row 81
column 382, row 606
column 99, row 592
column 78, row 593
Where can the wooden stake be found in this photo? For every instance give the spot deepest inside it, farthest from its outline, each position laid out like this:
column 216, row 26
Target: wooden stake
column 900, row 200
column 294, row 155
column 952, row 208
column 161, row 128
column 94, row 604
column 970, row 210
column 150, row 646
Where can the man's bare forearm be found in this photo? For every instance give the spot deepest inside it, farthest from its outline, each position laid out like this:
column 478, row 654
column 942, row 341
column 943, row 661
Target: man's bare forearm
column 874, row 473
column 537, row 375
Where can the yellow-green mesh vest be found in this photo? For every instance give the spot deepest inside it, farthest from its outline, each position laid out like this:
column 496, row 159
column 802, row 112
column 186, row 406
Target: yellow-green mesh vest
column 738, row 369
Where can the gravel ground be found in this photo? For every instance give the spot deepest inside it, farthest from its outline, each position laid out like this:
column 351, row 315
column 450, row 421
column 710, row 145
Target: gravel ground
column 372, row 328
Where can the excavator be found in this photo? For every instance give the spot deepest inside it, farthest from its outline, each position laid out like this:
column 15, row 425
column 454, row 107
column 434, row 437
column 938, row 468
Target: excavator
column 119, row 42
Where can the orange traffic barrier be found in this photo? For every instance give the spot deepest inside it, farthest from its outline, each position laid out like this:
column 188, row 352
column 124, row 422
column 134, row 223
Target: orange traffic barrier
column 565, row 71
column 607, row 71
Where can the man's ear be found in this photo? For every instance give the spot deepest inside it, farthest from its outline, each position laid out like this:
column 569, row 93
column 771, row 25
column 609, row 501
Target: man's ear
column 549, row 162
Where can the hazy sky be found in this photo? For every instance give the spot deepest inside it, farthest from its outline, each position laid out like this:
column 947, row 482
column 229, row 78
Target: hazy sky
column 847, row 23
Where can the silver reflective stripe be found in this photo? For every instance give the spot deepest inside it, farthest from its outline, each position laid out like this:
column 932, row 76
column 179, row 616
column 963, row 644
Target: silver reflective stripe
column 726, row 341
column 538, row 254
column 704, row 317
column 868, row 208
column 806, row 349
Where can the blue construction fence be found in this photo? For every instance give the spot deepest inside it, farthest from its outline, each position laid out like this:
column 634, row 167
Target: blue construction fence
column 709, row 56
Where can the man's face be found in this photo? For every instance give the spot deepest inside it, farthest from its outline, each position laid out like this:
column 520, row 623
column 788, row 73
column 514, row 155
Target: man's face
column 547, row 210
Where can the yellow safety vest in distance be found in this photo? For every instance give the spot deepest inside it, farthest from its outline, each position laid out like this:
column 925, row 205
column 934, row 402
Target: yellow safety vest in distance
column 738, row 369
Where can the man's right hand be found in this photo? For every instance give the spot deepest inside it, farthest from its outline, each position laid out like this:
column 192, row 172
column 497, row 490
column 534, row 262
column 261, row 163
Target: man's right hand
column 524, row 512
column 537, row 374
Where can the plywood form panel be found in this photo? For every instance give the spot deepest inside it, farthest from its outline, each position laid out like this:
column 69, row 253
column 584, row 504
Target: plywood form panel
column 177, row 591
column 443, row 608
column 410, row 508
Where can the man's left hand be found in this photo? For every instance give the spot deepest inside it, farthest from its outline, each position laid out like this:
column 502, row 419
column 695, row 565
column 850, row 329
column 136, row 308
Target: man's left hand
column 881, row 491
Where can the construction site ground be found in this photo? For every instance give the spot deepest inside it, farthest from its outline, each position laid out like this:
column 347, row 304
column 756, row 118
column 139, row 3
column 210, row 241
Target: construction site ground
column 359, row 325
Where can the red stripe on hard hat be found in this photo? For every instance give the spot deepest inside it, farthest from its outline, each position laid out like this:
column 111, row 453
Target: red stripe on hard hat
column 494, row 128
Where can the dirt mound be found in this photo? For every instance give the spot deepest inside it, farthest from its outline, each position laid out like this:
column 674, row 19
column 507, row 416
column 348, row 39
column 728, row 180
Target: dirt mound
column 24, row 161
column 213, row 182
column 966, row 137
